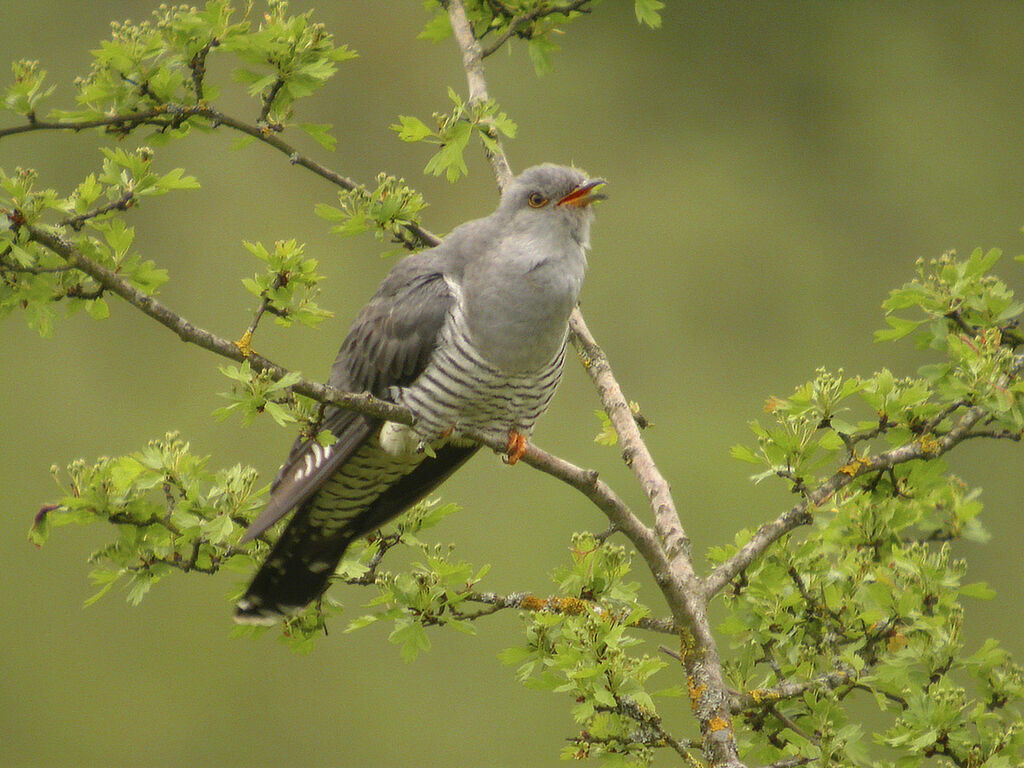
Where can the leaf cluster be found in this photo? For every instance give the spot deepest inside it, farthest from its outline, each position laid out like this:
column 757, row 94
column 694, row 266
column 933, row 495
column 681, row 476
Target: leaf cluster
column 33, row 278
column 453, row 130
column 169, row 511
column 582, row 645
column 963, row 313
column 535, row 21
column 288, row 285
column 867, row 605
column 391, row 211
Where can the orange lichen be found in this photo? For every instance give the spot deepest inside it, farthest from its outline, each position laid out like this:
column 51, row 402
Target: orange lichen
column 760, row 695
column 531, row 603
column 244, row 344
column 854, row 467
column 930, row 446
column 696, row 692
column 718, row 723
column 570, row 606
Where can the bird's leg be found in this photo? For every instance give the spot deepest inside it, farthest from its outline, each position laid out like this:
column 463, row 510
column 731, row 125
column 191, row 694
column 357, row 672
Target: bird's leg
column 517, row 443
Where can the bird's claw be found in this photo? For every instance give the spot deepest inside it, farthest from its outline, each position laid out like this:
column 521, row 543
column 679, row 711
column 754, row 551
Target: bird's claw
column 517, row 443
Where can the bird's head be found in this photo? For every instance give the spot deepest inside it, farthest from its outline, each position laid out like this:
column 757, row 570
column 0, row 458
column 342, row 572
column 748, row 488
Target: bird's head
column 552, row 198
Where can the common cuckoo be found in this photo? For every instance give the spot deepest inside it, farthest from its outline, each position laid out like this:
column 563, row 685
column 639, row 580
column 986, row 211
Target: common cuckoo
column 470, row 336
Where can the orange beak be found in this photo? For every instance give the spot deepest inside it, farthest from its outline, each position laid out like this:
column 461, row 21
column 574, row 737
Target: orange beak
column 585, row 194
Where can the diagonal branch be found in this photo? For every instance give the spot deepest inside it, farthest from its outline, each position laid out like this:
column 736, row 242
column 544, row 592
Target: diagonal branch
column 665, row 549
column 193, row 334
column 634, row 450
column 585, row 481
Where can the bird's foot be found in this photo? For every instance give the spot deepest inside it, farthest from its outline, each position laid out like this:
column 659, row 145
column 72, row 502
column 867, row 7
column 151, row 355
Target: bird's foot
column 517, row 443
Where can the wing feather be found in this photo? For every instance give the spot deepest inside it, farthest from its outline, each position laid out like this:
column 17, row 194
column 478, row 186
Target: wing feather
column 389, row 345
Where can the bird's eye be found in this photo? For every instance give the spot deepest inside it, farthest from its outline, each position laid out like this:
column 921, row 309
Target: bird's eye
column 537, row 200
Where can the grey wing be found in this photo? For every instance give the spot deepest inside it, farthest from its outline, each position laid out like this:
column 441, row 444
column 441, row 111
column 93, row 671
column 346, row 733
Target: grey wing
column 389, row 345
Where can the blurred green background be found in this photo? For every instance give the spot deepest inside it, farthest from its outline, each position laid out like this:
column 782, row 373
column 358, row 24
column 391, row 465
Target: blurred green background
column 774, row 170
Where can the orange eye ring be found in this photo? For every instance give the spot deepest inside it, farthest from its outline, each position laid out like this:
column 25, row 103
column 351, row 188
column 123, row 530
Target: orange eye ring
column 537, row 200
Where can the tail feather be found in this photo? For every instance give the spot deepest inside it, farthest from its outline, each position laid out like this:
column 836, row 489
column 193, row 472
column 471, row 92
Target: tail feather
column 302, row 561
column 295, row 573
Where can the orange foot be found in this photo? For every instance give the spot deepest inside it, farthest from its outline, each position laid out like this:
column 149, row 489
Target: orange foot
column 516, row 447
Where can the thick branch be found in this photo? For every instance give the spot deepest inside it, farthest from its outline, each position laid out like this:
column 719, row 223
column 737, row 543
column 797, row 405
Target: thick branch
column 669, row 557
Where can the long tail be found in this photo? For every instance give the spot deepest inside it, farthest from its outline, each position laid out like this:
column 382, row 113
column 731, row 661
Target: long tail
column 295, row 573
column 301, row 562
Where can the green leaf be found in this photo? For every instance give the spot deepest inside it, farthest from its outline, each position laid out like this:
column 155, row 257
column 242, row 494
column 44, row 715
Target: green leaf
column 541, row 50
column 411, row 129
column 321, row 133
column 647, row 12
column 98, row 309
column 743, row 453
column 438, row 28
column 898, row 328
column 979, row 590
column 176, row 179
column 981, row 262
column 412, row 638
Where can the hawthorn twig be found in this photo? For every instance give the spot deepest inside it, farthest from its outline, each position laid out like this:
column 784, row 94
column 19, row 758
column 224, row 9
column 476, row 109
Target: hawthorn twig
column 172, row 116
column 123, row 203
column 193, row 334
column 472, row 62
column 801, row 513
column 790, row 690
column 568, row 605
column 516, row 23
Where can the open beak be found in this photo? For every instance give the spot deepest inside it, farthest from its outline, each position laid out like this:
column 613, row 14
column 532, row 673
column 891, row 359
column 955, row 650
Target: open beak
column 585, row 194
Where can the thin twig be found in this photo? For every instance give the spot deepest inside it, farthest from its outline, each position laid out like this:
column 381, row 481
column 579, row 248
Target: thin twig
column 123, row 203
column 567, row 605
column 516, row 23
column 802, row 513
column 173, row 116
column 472, row 63
column 790, row 690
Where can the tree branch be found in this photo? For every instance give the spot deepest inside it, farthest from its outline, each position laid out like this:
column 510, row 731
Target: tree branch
column 148, row 305
column 173, row 116
column 790, row 690
column 516, row 23
column 667, row 551
column 564, row 605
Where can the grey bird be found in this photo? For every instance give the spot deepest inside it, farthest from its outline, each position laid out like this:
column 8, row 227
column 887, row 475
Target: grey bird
column 470, row 336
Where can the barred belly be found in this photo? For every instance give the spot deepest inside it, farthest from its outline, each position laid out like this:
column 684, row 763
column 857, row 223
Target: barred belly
column 460, row 390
